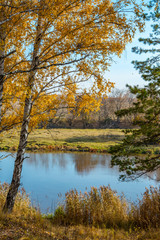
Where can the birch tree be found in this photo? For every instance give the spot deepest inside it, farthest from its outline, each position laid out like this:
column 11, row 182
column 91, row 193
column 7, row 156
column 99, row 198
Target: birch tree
column 68, row 43
column 13, row 17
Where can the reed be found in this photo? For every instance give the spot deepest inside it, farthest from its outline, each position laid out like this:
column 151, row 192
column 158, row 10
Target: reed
column 22, row 203
column 97, row 214
column 99, row 207
column 147, row 212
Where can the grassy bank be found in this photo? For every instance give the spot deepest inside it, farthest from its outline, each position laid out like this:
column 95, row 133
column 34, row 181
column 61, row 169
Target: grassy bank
column 99, row 214
column 81, row 140
column 90, row 140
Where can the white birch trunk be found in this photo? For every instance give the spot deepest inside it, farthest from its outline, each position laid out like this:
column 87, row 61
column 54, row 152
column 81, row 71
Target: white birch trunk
column 2, row 54
column 15, row 183
column 10, row 200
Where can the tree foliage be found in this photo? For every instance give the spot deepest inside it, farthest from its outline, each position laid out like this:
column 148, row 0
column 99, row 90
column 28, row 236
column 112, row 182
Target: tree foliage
column 13, row 18
column 58, row 35
column 64, row 43
column 146, row 110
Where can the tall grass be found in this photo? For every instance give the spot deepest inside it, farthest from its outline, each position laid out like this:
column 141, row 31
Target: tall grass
column 103, row 208
column 147, row 212
column 98, row 207
column 22, row 204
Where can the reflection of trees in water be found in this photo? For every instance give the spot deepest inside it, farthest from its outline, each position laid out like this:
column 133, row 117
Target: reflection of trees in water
column 61, row 160
column 83, row 162
column 47, row 160
column 155, row 175
column 38, row 159
column 158, row 174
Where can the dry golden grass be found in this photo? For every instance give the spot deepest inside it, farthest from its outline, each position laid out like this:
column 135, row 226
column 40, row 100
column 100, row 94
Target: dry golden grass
column 25, row 223
column 98, row 207
column 64, row 139
column 81, row 140
column 147, row 213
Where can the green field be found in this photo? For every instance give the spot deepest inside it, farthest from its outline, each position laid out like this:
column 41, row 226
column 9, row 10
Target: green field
column 92, row 140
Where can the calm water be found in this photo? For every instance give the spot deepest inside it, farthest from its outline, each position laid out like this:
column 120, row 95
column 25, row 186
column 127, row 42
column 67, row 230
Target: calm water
column 50, row 175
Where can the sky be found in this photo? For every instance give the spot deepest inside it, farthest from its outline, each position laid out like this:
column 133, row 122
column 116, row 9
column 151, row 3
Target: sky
column 122, row 71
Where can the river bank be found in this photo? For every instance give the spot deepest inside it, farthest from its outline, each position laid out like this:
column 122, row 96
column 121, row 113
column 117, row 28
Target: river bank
column 26, row 223
column 49, row 140
column 72, row 140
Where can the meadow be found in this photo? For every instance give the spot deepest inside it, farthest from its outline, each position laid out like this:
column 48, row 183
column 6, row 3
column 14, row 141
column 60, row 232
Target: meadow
column 74, row 140
column 90, row 140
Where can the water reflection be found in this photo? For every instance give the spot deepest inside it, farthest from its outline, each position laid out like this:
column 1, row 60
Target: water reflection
column 87, row 162
column 46, row 175
column 155, row 175
column 83, row 162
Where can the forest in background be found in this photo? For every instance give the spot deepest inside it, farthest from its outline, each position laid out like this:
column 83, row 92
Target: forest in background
column 103, row 118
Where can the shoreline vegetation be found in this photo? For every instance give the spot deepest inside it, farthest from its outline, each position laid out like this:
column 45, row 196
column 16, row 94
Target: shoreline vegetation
column 73, row 140
column 95, row 215
column 78, row 218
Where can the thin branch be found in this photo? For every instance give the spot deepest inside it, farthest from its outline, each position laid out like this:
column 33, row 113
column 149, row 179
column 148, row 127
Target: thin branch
column 8, row 54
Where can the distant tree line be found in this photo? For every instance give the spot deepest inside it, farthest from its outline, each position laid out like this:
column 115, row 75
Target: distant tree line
column 105, row 117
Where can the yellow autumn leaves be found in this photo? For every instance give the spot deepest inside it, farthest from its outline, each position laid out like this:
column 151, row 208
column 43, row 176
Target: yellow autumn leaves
column 74, row 41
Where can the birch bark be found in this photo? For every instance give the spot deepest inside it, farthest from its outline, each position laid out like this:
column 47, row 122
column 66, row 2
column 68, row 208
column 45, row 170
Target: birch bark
column 2, row 54
column 15, row 183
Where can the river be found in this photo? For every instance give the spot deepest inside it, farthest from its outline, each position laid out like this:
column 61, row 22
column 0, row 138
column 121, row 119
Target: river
column 46, row 177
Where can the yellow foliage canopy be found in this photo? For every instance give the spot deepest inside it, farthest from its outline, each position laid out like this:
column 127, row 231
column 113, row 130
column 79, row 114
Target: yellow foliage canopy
column 60, row 45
